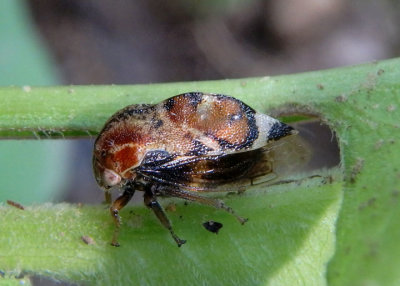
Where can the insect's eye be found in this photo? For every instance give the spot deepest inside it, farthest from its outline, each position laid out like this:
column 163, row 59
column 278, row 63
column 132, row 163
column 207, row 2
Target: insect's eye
column 110, row 178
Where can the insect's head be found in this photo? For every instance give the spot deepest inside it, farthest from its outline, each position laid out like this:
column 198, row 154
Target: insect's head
column 118, row 150
column 115, row 164
column 106, row 178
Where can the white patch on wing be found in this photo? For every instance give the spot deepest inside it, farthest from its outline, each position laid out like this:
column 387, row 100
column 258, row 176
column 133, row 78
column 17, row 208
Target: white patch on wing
column 264, row 124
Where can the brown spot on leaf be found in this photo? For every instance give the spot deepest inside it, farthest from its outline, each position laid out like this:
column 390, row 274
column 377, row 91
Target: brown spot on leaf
column 87, row 239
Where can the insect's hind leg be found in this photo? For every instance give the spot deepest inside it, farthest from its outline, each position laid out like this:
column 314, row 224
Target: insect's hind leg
column 219, row 204
column 150, row 201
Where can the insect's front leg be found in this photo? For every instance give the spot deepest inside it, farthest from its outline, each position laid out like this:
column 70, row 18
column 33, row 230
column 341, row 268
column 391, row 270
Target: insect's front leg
column 107, row 197
column 150, row 201
column 116, row 206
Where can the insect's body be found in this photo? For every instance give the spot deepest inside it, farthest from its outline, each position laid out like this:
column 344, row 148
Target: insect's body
column 189, row 143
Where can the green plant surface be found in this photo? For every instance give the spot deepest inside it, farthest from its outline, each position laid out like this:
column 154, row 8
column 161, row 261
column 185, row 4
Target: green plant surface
column 341, row 229
column 260, row 251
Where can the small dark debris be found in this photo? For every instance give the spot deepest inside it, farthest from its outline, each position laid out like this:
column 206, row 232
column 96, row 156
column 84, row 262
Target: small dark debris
column 379, row 144
column 356, row 169
column 380, row 71
column 15, row 204
column 368, row 203
column 212, row 226
column 87, row 239
column 341, row 98
column 391, row 108
column 320, row 86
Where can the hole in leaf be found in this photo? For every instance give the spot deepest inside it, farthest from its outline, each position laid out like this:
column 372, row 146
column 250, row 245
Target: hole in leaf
column 320, row 139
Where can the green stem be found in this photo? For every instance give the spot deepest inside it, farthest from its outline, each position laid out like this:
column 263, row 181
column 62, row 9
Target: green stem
column 70, row 111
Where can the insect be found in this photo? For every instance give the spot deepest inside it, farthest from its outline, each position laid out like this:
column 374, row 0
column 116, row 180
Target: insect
column 190, row 143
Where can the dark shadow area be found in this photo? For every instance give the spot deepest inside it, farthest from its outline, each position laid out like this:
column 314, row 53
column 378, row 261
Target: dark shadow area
column 46, row 281
column 322, row 142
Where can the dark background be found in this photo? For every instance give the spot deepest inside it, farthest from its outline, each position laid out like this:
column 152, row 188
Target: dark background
column 142, row 41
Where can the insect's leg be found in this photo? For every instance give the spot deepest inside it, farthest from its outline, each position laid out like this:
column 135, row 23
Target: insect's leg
column 219, row 204
column 107, row 197
column 151, row 201
column 116, row 206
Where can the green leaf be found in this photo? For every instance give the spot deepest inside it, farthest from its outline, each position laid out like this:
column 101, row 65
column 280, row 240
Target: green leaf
column 340, row 229
column 267, row 248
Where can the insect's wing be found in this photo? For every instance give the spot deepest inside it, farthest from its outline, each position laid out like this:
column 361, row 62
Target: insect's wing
column 288, row 156
column 227, row 172
column 202, row 173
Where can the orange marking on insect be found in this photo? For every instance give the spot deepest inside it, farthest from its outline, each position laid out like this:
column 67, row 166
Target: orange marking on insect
column 182, row 112
column 224, row 119
column 125, row 134
column 128, row 157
